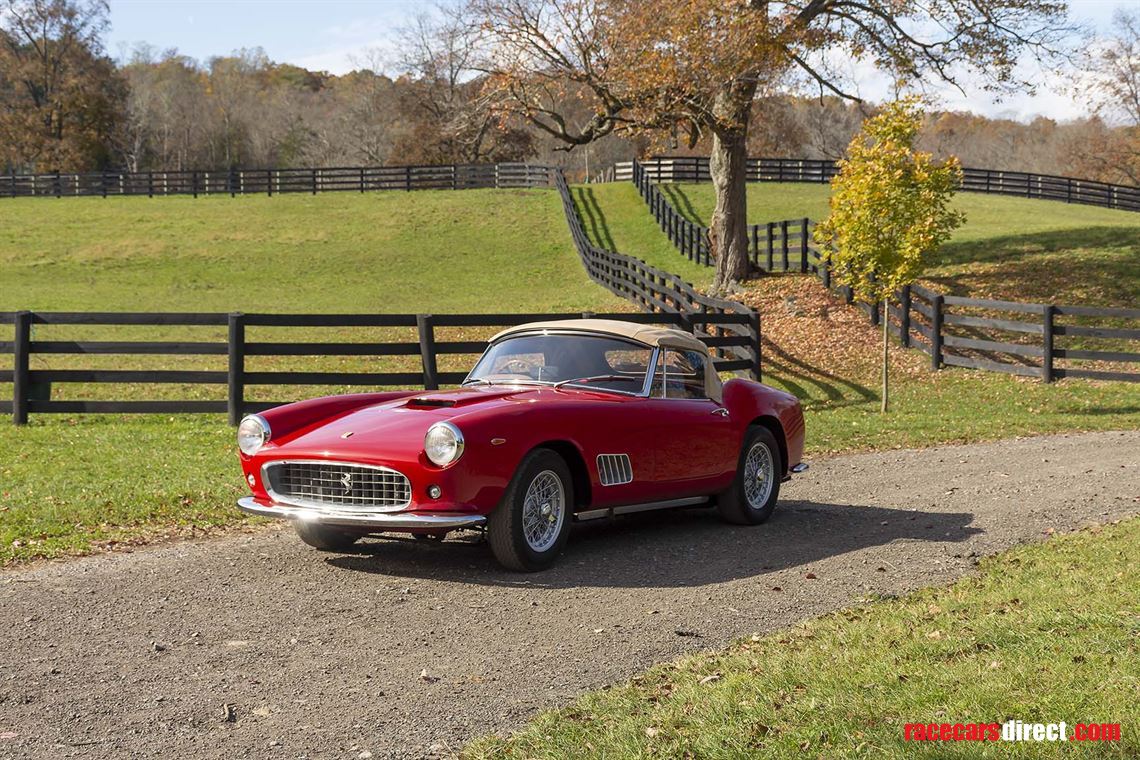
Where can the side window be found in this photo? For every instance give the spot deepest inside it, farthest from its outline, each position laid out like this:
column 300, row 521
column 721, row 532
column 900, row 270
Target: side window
column 680, row 374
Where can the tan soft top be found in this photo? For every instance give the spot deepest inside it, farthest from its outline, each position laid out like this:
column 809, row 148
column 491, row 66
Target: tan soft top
column 649, row 335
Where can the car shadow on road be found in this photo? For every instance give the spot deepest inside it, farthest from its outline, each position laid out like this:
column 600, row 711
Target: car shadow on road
column 676, row 548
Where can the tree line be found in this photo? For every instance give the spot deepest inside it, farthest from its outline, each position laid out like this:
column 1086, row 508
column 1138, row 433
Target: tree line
column 66, row 105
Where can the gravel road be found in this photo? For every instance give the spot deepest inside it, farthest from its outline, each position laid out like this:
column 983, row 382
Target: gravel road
column 256, row 646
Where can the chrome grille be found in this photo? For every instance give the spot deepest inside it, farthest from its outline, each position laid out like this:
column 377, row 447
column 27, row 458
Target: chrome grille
column 333, row 484
column 614, row 469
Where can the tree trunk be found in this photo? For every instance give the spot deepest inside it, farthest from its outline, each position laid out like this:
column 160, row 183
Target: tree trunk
column 728, row 165
column 886, row 355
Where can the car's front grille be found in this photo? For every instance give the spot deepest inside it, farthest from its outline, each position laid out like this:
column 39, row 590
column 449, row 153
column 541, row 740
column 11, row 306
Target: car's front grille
column 333, row 484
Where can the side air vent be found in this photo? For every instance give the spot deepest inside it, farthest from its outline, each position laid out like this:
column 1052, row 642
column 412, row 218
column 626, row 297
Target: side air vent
column 614, row 469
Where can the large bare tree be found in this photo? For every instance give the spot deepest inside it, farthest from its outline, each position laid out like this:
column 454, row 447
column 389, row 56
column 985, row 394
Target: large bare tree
column 697, row 66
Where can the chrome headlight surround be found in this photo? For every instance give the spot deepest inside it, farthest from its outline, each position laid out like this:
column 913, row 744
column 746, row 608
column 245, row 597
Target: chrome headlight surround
column 443, row 444
column 252, row 434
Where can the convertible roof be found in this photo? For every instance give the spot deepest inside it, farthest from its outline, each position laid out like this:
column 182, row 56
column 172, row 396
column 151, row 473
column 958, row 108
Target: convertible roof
column 650, row 335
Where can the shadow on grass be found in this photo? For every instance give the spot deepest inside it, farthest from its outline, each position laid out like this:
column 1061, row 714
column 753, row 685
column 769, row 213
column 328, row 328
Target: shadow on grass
column 795, row 374
column 593, row 218
column 679, row 548
column 677, row 198
column 1049, row 267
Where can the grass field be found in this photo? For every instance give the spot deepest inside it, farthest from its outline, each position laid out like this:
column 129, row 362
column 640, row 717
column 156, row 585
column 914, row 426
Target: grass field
column 1009, row 248
column 477, row 251
column 1028, row 639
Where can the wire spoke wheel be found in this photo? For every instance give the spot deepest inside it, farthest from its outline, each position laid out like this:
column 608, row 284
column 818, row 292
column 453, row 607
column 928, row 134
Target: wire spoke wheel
column 544, row 510
column 758, row 475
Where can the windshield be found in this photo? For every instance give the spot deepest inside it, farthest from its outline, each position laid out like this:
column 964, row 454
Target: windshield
column 594, row 360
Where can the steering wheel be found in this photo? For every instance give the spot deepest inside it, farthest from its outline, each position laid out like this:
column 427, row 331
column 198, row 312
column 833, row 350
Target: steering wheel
column 518, row 367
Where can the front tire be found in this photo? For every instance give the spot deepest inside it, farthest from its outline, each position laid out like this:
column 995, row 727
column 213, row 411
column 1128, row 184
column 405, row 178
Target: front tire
column 752, row 496
column 528, row 529
column 324, row 538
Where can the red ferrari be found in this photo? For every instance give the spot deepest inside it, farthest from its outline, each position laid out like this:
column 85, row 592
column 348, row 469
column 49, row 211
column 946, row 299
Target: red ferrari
column 558, row 422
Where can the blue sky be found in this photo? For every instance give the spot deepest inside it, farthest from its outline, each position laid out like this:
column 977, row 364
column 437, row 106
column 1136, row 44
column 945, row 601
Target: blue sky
column 332, row 35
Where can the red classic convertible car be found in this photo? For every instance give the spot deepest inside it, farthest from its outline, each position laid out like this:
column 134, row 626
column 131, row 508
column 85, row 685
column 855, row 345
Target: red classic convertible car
column 558, row 422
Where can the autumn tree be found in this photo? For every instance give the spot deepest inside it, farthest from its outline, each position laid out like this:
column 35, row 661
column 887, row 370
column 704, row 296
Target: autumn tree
column 1112, row 84
column 697, row 66
column 61, row 98
column 890, row 210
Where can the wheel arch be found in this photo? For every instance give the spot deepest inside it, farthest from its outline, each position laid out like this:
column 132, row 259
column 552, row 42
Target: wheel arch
column 772, row 423
column 579, row 473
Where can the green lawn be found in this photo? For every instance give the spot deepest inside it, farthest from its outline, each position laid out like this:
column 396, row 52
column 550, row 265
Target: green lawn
column 1046, row 633
column 470, row 251
column 1009, row 248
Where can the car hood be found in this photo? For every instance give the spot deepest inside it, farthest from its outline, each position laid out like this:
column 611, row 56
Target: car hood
column 397, row 428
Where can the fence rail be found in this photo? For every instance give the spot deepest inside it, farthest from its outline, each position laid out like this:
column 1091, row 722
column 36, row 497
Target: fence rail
column 952, row 330
column 993, row 181
column 32, row 387
column 277, row 181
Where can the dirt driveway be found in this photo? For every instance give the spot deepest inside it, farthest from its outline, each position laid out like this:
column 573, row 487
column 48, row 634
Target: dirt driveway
column 255, row 646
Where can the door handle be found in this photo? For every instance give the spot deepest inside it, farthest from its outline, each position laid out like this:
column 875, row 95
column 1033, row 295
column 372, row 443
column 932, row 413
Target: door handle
column 721, row 411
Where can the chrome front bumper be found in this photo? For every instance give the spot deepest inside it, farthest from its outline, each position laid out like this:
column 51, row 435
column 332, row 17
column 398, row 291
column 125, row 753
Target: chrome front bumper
column 369, row 520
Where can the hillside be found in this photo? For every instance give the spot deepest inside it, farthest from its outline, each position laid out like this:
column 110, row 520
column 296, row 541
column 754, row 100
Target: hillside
column 470, row 251
column 1009, row 248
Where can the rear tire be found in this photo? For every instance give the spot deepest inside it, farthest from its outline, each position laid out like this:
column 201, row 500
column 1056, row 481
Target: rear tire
column 528, row 529
column 324, row 538
column 752, row 496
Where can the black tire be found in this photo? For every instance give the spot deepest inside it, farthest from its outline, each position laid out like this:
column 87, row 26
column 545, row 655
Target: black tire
column 734, row 504
column 325, row 538
column 505, row 526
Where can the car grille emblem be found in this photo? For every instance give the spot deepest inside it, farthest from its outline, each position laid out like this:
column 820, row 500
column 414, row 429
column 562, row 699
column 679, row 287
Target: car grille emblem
column 346, row 481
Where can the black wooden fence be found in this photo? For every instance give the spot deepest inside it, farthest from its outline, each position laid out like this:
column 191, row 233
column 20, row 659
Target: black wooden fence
column 993, row 181
column 276, row 181
column 952, row 330
column 772, row 247
column 32, row 387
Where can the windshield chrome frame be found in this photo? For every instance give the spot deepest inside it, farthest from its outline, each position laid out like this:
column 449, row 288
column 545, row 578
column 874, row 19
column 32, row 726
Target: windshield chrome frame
column 646, row 384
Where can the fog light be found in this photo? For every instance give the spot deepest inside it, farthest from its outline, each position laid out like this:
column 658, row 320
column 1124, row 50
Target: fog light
column 252, row 480
column 434, row 492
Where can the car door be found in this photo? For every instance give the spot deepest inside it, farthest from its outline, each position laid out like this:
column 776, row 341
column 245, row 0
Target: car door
column 694, row 439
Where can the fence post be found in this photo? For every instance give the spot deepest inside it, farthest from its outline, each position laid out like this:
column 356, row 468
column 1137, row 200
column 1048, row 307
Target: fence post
column 1048, row 312
column 784, row 248
column 235, row 376
column 362, row 179
column 269, row 182
column 427, row 351
column 194, row 183
column 58, row 185
column 408, row 177
column 936, row 333
column 771, row 234
column 150, row 184
column 904, row 316
column 103, row 183
column 21, row 348
column 314, row 180
column 755, row 325
column 804, row 245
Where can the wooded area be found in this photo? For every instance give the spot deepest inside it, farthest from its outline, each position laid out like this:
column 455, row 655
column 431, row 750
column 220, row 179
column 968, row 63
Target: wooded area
column 66, row 105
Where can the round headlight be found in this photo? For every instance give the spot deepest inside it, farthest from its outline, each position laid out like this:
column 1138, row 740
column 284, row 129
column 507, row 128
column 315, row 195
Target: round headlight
column 443, row 443
column 253, row 433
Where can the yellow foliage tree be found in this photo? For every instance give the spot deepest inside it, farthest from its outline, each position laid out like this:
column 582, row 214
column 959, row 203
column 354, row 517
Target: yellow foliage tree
column 890, row 210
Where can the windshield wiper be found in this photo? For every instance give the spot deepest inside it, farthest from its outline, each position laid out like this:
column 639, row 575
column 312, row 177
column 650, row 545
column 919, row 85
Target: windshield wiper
column 475, row 380
column 592, row 378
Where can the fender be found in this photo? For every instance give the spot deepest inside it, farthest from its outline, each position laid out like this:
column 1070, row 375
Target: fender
column 752, row 402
